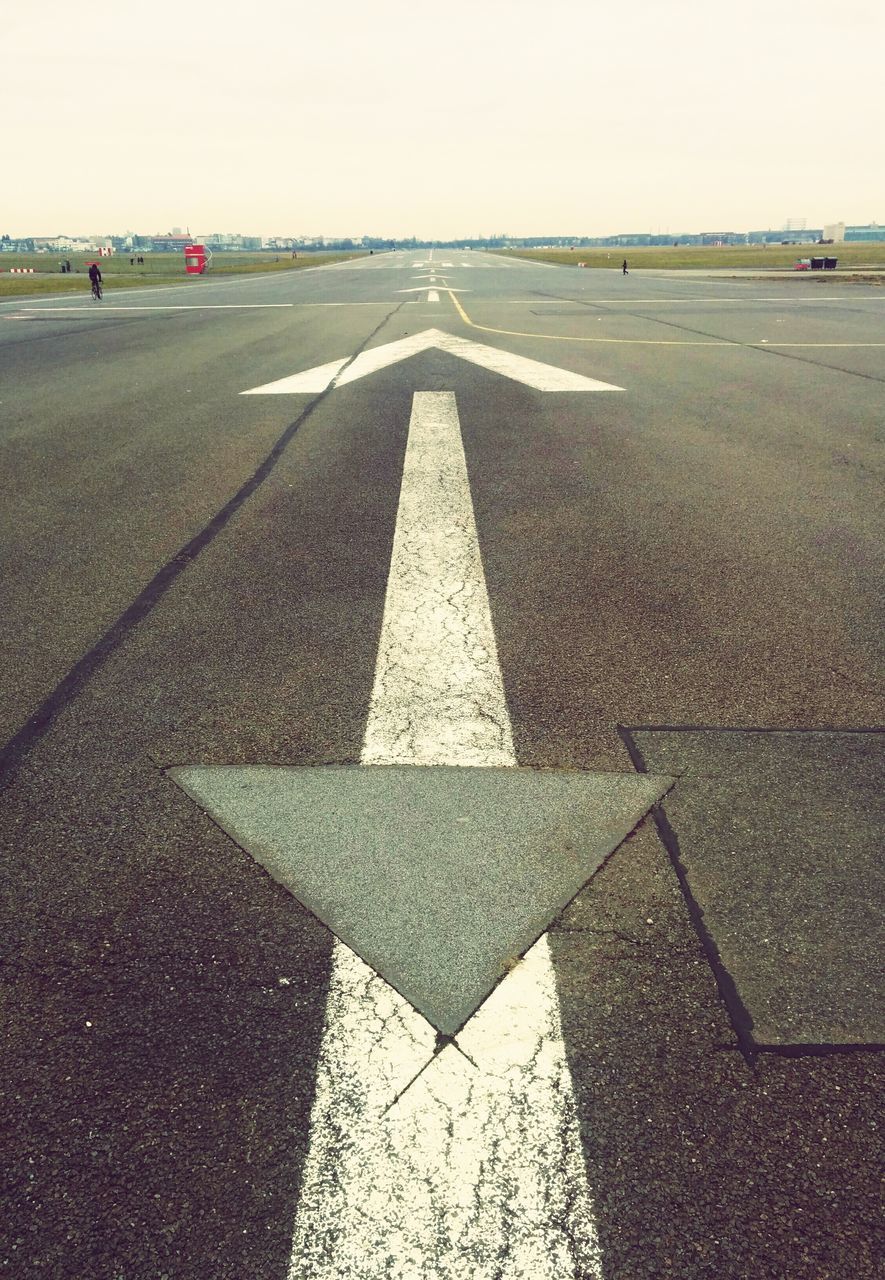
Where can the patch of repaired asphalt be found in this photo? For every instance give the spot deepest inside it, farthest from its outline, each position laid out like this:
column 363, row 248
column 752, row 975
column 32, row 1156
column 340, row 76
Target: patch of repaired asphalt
column 779, row 836
column 700, row 1165
column 437, row 877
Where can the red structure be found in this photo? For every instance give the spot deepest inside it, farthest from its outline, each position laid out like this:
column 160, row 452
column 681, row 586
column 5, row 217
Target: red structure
column 196, row 259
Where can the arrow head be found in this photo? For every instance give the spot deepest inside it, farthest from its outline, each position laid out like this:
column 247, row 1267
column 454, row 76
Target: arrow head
column 531, row 373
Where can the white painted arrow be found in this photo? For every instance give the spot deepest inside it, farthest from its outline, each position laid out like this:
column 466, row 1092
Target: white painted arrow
column 462, row 1160
column 531, row 373
column 479, row 1160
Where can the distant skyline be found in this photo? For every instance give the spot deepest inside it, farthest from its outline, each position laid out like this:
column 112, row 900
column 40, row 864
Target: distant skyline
column 797, row 225
column 400, row 119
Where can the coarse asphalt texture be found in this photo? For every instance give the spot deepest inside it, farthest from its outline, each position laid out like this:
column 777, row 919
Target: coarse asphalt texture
column 195, row 577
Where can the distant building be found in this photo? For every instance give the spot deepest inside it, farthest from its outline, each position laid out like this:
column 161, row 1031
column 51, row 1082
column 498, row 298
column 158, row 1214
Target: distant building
column 838, row 232
column 871, row 233
column 57, row 242
column 168, row 244
column 784, row 235
column 222, row 241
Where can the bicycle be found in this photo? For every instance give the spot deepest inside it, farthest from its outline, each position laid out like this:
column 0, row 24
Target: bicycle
column 96, row 291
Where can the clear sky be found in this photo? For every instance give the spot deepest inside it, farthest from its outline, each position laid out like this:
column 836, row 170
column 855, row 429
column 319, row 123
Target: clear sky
column 400, row 117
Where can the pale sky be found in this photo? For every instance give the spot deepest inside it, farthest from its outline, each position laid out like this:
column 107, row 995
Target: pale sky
column 399, row 117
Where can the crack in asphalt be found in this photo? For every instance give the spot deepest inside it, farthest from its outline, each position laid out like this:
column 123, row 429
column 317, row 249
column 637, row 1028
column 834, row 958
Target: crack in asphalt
column 38, row 724
column 703, row 333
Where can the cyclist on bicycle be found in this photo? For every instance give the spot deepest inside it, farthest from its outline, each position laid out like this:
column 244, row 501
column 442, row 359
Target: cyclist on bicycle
column 95, row 277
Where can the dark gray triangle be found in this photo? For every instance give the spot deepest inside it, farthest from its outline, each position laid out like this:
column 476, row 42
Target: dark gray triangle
column 437, row 877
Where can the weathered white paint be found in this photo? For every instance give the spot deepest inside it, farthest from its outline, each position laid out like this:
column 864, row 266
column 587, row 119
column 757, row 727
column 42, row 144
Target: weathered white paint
column 442, row 1166
column 532, row 373
column 169, row 306
column 316, row 379
column 432, row 295
column 438, row 697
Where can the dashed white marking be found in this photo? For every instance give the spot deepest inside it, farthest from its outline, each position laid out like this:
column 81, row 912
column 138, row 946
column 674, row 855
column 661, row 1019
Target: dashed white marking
column 476, row 1168
column 432, row 295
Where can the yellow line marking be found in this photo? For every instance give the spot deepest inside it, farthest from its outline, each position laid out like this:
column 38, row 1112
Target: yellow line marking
column 649, row 342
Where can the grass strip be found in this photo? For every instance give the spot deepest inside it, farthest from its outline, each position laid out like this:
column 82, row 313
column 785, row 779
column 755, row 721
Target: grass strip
column 157, row 269
column 694, row 257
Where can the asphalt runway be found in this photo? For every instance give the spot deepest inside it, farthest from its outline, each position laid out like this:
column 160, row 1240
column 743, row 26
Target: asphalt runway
column 197, row 577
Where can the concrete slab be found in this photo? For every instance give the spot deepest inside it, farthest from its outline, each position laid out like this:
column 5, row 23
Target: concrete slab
column 779, row 834
column 439, row 878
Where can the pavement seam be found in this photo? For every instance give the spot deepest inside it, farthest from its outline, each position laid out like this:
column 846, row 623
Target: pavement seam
column 773, row 349
column 837, row 1050
column 38, row 724
column 740, row 1017
column 737, row 1011
column 719, row 728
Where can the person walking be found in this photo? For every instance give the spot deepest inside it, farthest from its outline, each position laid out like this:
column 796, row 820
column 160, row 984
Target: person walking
column 624, row 267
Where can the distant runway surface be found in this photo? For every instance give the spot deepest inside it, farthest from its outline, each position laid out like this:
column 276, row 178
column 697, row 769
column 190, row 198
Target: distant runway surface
column 591, row 566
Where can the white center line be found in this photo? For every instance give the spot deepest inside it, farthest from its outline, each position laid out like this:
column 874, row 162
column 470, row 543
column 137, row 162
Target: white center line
column 476, row 1168
column 98, row 308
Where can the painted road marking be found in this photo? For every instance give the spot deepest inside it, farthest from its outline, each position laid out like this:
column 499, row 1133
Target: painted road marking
column 316, row 379
column 651, row 342
column 531, row 373
column 427, row 643
column 435, row 1154
column 169, row 306
column 479, row 1162
column 432, row 295
column 587, row 303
